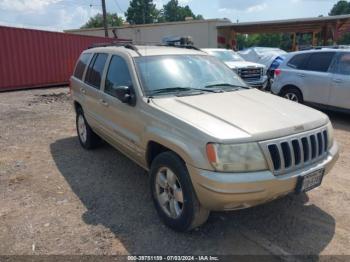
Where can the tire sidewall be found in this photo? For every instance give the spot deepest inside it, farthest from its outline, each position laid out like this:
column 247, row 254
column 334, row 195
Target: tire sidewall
column 85, row 144
column 176, row 165
column 294, row 91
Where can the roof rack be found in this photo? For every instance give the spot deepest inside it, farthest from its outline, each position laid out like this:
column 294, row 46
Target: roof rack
column 125, row 43
column 179, row 41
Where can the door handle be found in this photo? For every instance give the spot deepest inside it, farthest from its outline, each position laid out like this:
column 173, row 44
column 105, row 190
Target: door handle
column 301, row 75
column 103, row 102
column 83, row 90
column 337, row 80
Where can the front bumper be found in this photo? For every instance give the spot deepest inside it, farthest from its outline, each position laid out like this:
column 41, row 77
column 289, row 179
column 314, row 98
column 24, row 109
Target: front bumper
column 261, row 83
column 229, row 191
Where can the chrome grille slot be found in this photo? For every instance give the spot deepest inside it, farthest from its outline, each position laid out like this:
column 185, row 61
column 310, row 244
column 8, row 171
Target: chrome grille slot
column 293, row 152
column 250, row 74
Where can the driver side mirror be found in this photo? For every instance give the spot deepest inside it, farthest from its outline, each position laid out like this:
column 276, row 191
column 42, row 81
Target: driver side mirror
column 124, row 94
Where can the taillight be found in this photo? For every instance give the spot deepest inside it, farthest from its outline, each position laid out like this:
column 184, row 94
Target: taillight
column 278, row 72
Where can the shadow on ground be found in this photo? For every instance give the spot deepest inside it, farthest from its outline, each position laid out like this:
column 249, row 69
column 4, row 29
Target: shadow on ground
column 116, row 195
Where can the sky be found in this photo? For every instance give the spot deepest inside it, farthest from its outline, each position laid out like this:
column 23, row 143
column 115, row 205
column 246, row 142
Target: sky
column 59, row 15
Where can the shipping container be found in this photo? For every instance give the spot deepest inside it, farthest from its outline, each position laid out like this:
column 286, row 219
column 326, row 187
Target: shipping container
column 34, row 58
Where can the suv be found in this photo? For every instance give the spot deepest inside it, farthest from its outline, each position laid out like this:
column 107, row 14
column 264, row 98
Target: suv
column 208, row 141
column 320, row 77
column 252, row 73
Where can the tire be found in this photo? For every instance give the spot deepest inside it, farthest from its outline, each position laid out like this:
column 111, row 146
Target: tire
column 293, row 94
column 178, row 216
column 87, row 138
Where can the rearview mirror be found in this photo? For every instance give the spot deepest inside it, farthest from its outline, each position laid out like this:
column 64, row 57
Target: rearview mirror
column 124, row 94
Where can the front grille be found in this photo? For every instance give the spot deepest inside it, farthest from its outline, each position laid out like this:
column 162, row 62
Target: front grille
column 293, row 152
column 250, row 74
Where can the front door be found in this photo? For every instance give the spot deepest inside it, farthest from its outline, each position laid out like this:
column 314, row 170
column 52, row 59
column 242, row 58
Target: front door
column 124, row 123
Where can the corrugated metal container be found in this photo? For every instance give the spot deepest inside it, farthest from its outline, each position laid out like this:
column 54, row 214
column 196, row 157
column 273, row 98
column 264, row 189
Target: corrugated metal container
column 34, row 58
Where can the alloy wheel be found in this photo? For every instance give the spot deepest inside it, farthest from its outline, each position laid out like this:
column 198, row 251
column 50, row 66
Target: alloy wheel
column 169, row 192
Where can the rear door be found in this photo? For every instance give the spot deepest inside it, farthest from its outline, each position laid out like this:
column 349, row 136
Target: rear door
column 91, row 90
column 316, row 78
column 340, row 89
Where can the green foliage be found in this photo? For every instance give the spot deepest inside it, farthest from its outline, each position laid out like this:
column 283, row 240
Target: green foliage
column 97, row 21
column 173, row 12
column 142, row 12
column 145, row 12
column 340, row 8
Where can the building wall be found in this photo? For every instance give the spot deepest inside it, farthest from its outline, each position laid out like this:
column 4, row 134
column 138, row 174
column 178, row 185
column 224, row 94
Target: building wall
column 203, row 32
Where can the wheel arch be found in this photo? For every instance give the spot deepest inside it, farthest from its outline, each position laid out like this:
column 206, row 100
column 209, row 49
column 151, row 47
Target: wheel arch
column 155, row 148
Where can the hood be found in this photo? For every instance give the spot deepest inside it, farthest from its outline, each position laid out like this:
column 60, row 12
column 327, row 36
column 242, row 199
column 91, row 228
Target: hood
column 243, row 64
column 246, row 115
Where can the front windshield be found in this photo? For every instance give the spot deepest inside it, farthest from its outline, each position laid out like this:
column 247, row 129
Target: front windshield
column 227, row 56
column 184, row 71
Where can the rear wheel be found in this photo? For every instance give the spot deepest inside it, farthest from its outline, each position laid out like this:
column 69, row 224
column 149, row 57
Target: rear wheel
column 293, row 94
column 173, row 194
column 87, row 138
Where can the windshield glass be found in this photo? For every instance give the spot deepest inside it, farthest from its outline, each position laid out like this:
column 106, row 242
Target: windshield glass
column 184, row 71
column 227, row 56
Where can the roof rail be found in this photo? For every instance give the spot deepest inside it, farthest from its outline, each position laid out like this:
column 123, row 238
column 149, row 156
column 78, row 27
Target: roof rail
column 183, row 46
column 325, row 47
column 125, row 43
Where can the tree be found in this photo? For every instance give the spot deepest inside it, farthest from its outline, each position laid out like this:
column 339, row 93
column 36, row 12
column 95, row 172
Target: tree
column 340, row 8
column 172, row 12
column 141, row 12
column 97, row 21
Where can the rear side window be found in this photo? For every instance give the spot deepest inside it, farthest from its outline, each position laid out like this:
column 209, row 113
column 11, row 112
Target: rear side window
column 118, row 74
column 298, row 61
column 80, row 67
column 95, row 70
column 320, row 62
column 343, row 64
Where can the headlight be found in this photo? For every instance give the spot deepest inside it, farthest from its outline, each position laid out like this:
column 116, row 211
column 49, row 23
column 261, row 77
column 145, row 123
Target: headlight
column 330, row 136
column 236, row 158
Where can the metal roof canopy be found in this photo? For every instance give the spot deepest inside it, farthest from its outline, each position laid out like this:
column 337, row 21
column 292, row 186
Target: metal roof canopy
column 330, row 26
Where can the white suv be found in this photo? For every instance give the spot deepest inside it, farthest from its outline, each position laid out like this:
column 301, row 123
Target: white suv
column 253, row 74
column 320, row 77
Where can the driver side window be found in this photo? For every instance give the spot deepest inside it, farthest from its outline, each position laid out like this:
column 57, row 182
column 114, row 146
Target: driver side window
column 118, row 75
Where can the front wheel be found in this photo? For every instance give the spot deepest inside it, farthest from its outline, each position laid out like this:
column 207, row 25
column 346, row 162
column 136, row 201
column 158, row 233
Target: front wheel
column 293, row 94
column 173, row 194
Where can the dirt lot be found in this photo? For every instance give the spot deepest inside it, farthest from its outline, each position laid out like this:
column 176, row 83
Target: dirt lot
column 57, row 198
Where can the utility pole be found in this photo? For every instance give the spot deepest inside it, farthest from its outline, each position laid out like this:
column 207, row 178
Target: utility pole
column 104, row 17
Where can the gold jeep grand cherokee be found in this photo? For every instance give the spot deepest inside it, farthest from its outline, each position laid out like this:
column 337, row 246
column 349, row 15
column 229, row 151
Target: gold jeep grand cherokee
column 208, row 141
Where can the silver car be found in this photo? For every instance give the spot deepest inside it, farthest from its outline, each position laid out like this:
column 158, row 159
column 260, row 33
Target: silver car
column 319, row 77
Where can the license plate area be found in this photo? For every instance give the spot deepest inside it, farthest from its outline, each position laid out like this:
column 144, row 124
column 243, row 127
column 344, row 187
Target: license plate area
column 310, row 181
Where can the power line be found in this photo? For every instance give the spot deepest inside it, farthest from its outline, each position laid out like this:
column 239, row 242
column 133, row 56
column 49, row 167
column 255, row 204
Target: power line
column 118, row 6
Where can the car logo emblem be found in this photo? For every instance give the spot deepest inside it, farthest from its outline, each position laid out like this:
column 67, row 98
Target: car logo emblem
column 299, row 128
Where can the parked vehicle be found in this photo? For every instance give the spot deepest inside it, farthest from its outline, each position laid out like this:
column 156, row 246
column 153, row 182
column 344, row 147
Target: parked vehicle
column 270, row 57
column 208, row 141
column 252, row 73
column 320, row 77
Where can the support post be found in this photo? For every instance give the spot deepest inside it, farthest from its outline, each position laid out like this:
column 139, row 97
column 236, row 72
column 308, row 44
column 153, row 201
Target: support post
column 104, row 17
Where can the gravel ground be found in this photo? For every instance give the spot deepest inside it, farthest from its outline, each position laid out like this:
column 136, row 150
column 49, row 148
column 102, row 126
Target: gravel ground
column 57, row 198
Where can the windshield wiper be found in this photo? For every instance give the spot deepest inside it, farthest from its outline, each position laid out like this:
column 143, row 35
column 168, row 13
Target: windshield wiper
column 226, row 84
column 181, row 89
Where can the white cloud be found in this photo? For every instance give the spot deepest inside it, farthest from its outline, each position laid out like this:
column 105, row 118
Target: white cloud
column 257, row 8
column 26, row 5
